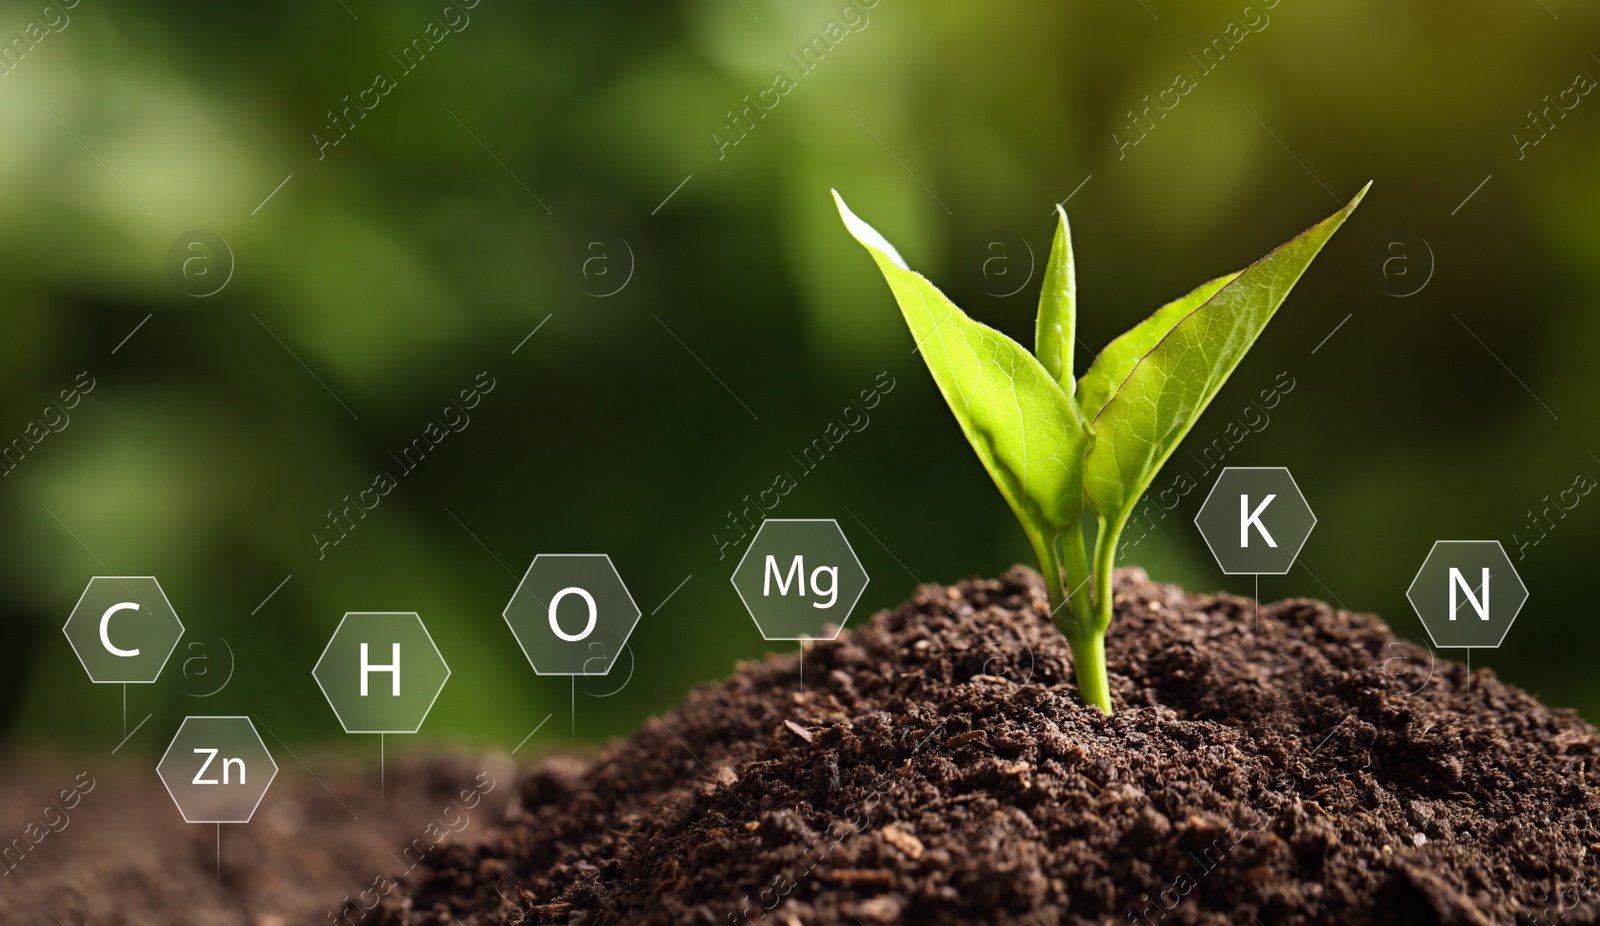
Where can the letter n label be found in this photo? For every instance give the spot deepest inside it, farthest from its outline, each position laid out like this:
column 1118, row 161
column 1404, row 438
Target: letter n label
column 1481, row 606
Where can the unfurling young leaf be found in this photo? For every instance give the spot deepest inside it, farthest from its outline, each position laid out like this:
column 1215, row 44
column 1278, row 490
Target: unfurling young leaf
column 1054, row 445
column 1056, row 328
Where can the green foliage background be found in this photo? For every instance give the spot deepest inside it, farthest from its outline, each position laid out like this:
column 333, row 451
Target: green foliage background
column 415, row 256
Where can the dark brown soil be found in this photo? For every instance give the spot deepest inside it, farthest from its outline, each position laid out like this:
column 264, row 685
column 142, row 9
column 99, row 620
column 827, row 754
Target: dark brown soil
column 1300, row 766
column 121, row 854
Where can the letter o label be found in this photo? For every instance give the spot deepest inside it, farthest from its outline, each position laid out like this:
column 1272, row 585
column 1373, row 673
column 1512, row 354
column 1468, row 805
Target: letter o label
column 555, row 625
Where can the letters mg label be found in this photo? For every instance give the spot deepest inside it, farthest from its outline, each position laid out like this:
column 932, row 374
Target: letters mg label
column 799, row 579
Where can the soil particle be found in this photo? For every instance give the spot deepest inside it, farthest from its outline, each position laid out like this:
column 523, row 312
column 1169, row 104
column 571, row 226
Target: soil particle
column 1279, row 764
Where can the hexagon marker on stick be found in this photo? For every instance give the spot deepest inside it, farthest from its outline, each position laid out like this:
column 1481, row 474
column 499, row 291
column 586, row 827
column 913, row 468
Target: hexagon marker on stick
column 381, row 673
column 217, row 770
column 123, row 629
column 572, row 615
column 1467, row 594
column 799, row 579
column 1255, row 520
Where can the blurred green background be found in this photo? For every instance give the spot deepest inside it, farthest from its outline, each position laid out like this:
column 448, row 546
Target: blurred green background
column 520, row 171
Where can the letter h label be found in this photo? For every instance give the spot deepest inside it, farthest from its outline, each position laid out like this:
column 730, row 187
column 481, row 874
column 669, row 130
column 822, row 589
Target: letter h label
column 393, row 668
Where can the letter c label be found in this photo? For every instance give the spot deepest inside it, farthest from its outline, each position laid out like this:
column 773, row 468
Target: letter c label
column 105, row 621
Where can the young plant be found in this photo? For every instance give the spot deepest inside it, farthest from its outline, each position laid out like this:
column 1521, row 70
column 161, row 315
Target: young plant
column 1056, row 444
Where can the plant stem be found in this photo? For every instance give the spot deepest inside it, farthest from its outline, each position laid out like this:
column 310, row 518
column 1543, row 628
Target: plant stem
column 1088, row 633
column 1089, row 661
column 1073, row 613
column 1076, row 563
column 1044, row 550
column 1105, row 554
column 1088, row 640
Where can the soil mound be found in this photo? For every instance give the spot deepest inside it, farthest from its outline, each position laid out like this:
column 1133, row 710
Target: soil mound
column 1296, row 765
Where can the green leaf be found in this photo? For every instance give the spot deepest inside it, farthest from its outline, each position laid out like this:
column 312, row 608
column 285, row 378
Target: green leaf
column 1165, row 392
column 1023, row 426
column 1054, row 330
column 1113, row 364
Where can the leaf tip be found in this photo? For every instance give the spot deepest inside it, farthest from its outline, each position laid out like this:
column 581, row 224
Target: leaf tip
column 866, row 234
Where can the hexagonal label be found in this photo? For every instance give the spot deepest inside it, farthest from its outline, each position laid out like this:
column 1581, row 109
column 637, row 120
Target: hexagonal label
column 381, row 672
column 217, row 769
column 1467, row 593
column 799, row 579
column 123, row 629
column 1255, row 520
column 571, row 614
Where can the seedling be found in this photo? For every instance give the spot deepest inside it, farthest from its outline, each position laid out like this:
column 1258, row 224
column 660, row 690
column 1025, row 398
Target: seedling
column 1056, row 444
